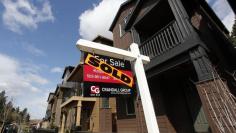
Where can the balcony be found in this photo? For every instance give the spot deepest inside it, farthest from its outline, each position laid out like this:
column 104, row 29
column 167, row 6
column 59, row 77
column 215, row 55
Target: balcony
column 162, row 41
column 165, row 43
column 71, row 89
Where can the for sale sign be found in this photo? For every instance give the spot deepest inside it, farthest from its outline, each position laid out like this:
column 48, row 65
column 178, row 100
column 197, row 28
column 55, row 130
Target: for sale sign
column 106, row 77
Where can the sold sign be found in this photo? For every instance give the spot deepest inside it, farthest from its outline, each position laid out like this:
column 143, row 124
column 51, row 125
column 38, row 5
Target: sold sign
column 109, row 70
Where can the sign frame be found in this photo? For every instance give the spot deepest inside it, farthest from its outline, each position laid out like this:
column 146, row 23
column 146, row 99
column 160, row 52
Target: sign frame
column 137, row 61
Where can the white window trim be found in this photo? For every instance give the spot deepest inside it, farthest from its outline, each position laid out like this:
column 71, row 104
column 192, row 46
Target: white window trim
column 121, row 31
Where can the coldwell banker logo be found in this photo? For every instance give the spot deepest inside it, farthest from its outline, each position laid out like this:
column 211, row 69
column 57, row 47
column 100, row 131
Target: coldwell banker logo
column 94, row 90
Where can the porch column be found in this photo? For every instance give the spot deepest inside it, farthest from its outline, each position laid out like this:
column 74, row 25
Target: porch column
column 181, row 17
column 63, row 123
column 217, row 101
column 78, row 114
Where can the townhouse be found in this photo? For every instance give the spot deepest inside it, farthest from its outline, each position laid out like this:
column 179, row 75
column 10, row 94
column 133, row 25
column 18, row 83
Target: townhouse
column 191, row 70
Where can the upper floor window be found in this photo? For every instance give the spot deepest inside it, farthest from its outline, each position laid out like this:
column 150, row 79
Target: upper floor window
column 105, row 102
column 126, row 19
column 123, row 23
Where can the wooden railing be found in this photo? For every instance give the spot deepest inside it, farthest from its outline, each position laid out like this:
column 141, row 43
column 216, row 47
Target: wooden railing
column 162, row 41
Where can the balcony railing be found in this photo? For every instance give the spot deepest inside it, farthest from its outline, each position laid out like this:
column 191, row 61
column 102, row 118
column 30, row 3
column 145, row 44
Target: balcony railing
column 75, row 90
column 162, row 41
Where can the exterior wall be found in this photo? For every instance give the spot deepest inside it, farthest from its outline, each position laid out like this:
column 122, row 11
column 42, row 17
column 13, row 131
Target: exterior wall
column 200, row 23
column 58, row 112
column 94, row 120
column 105, row 120
column 123, row 125
column 101, row 118
column 127, row 126
column 70, row 118
column 52, row 120
column 112, row 104
column 213, row 97
column 124, row 41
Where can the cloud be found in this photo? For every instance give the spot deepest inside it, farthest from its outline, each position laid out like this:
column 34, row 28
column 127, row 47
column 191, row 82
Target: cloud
column 57, row 70
column 96, row 21
column 23, row 84
column 223, row 11
column 20, row 14
column 34, row 50
column 229, row 21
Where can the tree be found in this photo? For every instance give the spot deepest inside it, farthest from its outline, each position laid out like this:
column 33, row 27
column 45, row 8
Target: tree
column 6, row 111
column 9, row 114
column 18, row 109
column 27, row 119
column 3, row 100
column 233, row 34
column 23, row 114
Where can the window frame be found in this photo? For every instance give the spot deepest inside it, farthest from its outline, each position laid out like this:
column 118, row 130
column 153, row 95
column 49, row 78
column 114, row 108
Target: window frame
column 126, row 106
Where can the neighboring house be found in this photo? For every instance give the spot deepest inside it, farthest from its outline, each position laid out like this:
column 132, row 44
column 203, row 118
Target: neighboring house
column 190, row 73
column 87, row 113
column 62, row 93
column 47, row 118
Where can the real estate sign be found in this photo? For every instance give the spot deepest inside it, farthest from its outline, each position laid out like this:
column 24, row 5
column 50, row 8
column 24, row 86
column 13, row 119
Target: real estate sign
column 106, row 77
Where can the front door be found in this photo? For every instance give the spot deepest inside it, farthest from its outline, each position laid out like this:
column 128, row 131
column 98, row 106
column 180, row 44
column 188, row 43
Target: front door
column 86, row 115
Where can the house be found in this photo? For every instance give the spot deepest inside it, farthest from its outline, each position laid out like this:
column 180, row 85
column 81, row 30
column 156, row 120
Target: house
column 80, row 113
column 190, row 72
column 47, row 118
column 62, row 92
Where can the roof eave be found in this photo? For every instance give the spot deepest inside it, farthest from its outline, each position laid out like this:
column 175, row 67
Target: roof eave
column 118, row 14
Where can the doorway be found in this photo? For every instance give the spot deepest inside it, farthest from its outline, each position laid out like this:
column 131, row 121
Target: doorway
column 175, row 96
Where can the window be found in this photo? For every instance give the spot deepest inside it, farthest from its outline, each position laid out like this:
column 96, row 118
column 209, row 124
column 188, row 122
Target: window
column 123, row 23
column 126, row 19
column 130, row 110
column 105, row 102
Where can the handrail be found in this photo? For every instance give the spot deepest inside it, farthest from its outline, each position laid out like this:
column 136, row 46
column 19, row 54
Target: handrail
column 150, row 38
column 163, row 40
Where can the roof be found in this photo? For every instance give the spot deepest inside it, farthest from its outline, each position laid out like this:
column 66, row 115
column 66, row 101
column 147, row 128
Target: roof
column 51, row 93
column 103, row 40
column 76, row 75
column 56, row 91
column 70, row 68
column 138, row 6
column 122, row 6
column 213, row 16
column 134, row 14
column 60, row 86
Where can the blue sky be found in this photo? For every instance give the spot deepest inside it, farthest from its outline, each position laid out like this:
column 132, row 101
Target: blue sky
column 37, row 40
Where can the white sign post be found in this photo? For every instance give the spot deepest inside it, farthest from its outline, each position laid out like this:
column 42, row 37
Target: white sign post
column 138, row 60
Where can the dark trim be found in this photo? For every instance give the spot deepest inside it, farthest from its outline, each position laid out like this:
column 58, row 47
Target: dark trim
column 135, row 36
column 213, row 16
column 104, row 40
column 181, row 17
column 51, row 93
column 192, row 41
column 145, row 13
column 70, row 68
column 178, row 60
column 122, row 6
column 133, row 15
column 201, row 63
column 99, row 37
